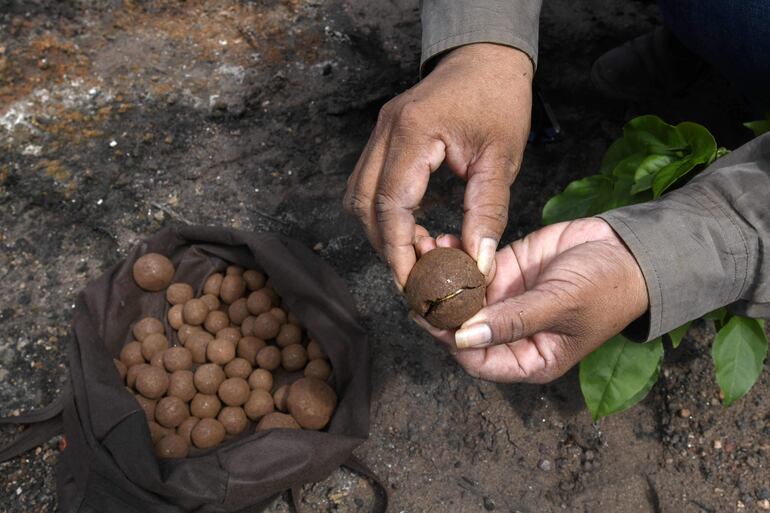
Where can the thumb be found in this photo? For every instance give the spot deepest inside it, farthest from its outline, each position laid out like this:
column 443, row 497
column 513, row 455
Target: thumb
column 510, row 320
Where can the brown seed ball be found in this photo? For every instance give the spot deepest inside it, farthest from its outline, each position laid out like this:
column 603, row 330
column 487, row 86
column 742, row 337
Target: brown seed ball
column 147, row 326
column 148, row 405
column 231, row 334
column 318, row 369
column 315, row 351
column 280, row 397
column 220, row 351
column 234, row 269
column 258, row 302
column 238, row 311
column 157, row 360
column 208, row 377
column 311, row 402
column 269, row 357
column 238, row 368
column 153, row 272
column 153, row 344
column 288, row 335
column 172, row 446
column 277, row 420
column 133, row 372
column 216, row 321
column 186, row 331
column 275, row 299
column 197, row 349
column 171, row 411
column 213, row 284
column 152, row 382
column 233, row 418
column 279, row 314
column 195, row 312
column 233, row 287
column 177, row 358
column 261, row 378
column 121, row 368
column 234, row 391
column 179, row 293
column 207, row 433
column 266, row 326
column 260, row 403
column 131, row 354
column 157, row 432
column 255, row 280
column 205, row 406
column 248, row 347
column 211, row 301
column 247, row 326
column 185, row 428
column 175, row 316
column 293, row 357
column 181, row 384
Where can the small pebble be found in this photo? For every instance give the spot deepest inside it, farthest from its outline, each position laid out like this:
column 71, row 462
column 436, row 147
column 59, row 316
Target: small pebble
column 684, row 413
column 544, row 465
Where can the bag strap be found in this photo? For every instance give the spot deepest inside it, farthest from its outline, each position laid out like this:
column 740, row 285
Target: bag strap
column 43, row 424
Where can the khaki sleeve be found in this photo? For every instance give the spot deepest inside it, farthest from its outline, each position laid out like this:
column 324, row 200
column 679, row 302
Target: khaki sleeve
column 705, row 245
column 447, row 24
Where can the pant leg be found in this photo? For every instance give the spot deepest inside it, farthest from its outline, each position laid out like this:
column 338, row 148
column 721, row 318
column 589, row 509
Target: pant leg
column 732, row 35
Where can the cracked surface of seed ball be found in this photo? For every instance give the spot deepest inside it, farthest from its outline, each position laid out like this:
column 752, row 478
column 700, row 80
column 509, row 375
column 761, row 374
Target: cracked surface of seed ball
column 445, row 287
column 153, row 272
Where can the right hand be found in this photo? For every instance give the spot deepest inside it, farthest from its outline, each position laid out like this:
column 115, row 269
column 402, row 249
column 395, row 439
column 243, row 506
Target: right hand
column 472, row 110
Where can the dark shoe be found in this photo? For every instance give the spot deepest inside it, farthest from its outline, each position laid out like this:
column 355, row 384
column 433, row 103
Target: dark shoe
column 653, row 66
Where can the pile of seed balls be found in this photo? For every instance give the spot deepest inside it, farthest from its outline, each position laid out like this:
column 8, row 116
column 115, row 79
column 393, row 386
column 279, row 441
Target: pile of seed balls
column 220, row 376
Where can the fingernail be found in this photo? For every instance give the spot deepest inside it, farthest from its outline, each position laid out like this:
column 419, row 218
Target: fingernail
column 397, row 284
column 473, row 336
column 486, row 256
column 419, row 320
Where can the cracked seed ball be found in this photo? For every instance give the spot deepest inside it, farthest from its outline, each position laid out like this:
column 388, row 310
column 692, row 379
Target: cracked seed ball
column 311, row 402
column 195, row 312
column 181, row 384
column 289, row 334
column 213, row 284
column 207, row 433
column 248, row 347
column 205, row 406
column 233, row 418
column 220, row 351
column 445, row 287
column 261, row 378
column 148, row 405
column 152, row 382
column 153, row 272
column 172, row 446
column 279, row 398
column 266, row 326
column 179, row 293
column 185, row 428
column 186, row 331
column 121, row 368
column 279, row 314
column 293, row 357
column 175, row 316
column 208, row 377
column 133, row 372
column 171, row 411
column 258, row 302
column 131, row 354
column 234, row 391
column 211, row 301
column 177, row 358
column 269, row 357
column 233, row 287
column 157, row 360
column 147, row 326
column 277, row 420
column 234, row 269
column 237, row 311
column 318, row 369
column 260, row 403
column 231, row 334
column 315, row 351
column 157, row 432
column 255, row 280
column 152, row 344
column 238, row 368
column 197, row 344
column 216, row 321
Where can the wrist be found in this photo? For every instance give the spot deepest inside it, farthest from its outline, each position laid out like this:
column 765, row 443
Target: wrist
column 488, row 55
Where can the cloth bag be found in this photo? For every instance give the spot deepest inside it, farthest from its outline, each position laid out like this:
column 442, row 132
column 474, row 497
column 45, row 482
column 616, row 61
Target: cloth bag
column 109, row 464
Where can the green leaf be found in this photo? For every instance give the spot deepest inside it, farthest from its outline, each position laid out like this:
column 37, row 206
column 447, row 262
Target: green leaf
column 618, row 151
column 702, row 151
column 641, row 394
column 677, row 334
column 739, row 351
column 651, row 135
column 716, row 315
column 647, row 170
column 758, row 127
column 581, row 198
column 617, row 373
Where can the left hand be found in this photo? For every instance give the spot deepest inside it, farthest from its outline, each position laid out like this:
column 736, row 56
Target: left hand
column 556, row 295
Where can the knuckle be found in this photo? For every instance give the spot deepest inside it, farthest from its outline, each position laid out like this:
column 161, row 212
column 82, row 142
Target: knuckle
column 410, row 113
column 357, row 205
column 384, row 204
